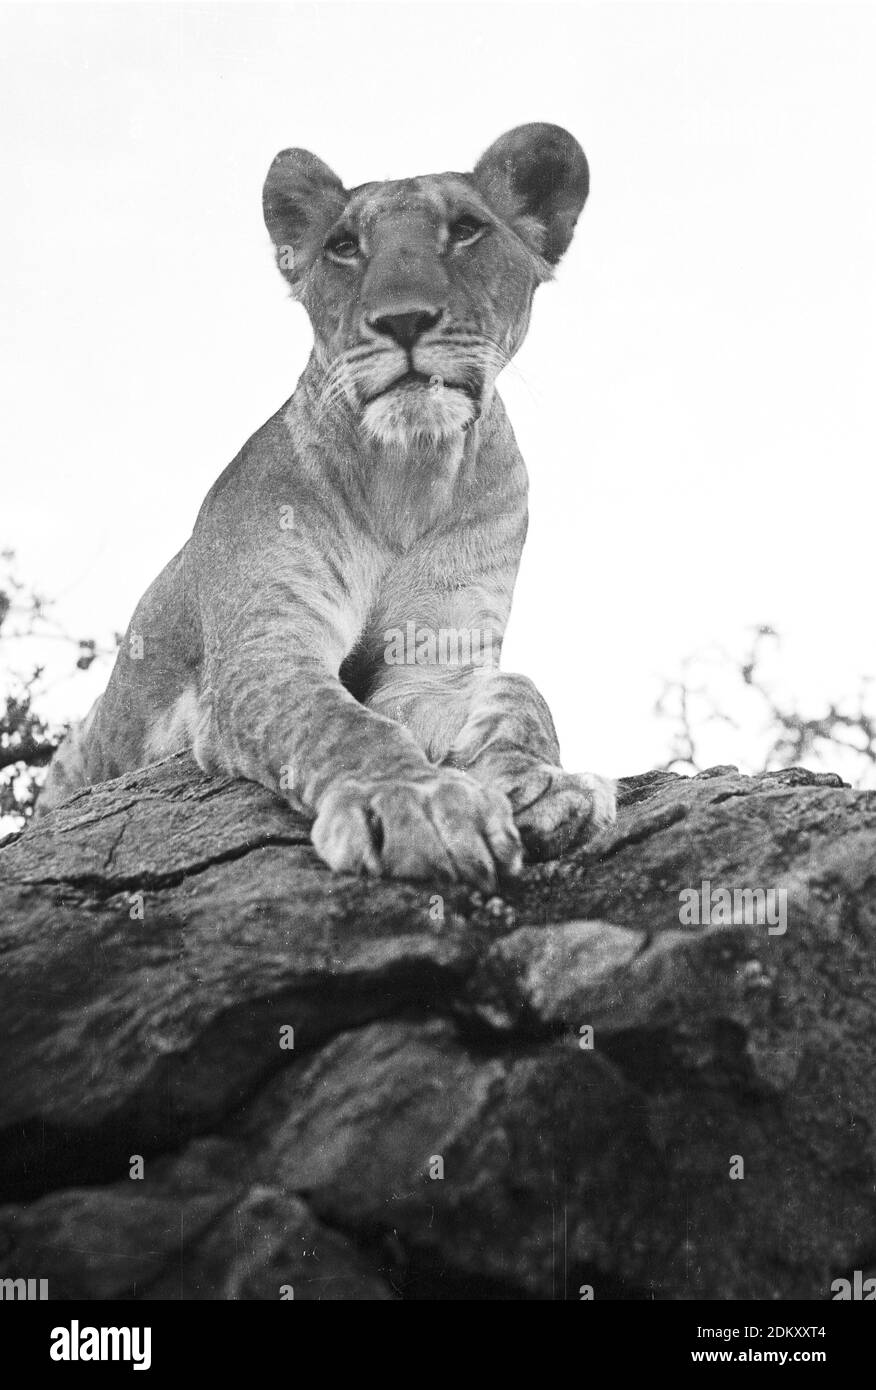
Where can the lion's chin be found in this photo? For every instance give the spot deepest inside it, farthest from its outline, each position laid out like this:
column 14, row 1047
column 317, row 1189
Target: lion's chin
column 420, row 413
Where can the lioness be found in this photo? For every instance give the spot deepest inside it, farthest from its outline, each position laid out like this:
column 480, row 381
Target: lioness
column 386, row 498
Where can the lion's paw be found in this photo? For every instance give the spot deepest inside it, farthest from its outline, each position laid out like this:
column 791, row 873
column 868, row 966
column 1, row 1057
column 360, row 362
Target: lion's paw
column 440, row 826
column 556, row 810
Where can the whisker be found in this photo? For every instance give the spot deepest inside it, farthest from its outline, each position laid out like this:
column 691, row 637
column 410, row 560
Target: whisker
column 472, row 352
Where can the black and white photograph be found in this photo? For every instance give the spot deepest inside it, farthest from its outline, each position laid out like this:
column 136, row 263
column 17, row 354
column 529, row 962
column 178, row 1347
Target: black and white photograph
column 437, row 670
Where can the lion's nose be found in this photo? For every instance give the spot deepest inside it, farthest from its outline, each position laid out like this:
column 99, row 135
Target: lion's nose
column 405, row 329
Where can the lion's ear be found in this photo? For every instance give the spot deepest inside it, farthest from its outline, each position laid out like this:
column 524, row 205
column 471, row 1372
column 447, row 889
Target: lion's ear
column 537, row 172
column 301, row 200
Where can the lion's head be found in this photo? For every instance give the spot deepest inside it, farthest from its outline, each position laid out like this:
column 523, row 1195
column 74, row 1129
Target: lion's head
column 419, row 290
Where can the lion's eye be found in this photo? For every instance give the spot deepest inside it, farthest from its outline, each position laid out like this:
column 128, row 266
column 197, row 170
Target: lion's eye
column 464, row 230
column 343, row 246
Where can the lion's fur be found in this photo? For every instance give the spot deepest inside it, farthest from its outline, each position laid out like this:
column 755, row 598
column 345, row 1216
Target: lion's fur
column 351, row 513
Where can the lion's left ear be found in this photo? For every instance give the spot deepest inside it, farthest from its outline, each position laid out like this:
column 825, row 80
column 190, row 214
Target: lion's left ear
column 537, row 172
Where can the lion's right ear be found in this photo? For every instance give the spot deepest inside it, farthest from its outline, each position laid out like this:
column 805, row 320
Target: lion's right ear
column 302, row 198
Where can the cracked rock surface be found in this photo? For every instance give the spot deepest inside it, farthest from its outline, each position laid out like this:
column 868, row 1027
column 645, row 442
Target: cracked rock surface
column 348, row 1089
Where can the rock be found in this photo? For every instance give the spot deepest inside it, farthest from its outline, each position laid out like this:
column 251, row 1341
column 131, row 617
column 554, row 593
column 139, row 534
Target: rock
column 227, row 1074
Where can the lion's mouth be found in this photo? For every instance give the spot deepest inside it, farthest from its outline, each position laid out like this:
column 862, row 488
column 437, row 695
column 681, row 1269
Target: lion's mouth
column 419, row 381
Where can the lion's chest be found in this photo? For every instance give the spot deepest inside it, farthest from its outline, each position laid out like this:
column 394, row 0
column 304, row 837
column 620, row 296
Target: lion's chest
column 426, row 603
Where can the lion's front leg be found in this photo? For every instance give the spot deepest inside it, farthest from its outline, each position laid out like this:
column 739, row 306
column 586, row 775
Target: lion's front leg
column 509, row 742
column 497, row 728
column 554, row 810
column 379, row 805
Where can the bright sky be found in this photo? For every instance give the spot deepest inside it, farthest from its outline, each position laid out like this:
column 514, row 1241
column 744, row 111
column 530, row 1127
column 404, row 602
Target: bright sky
column 694, row 401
